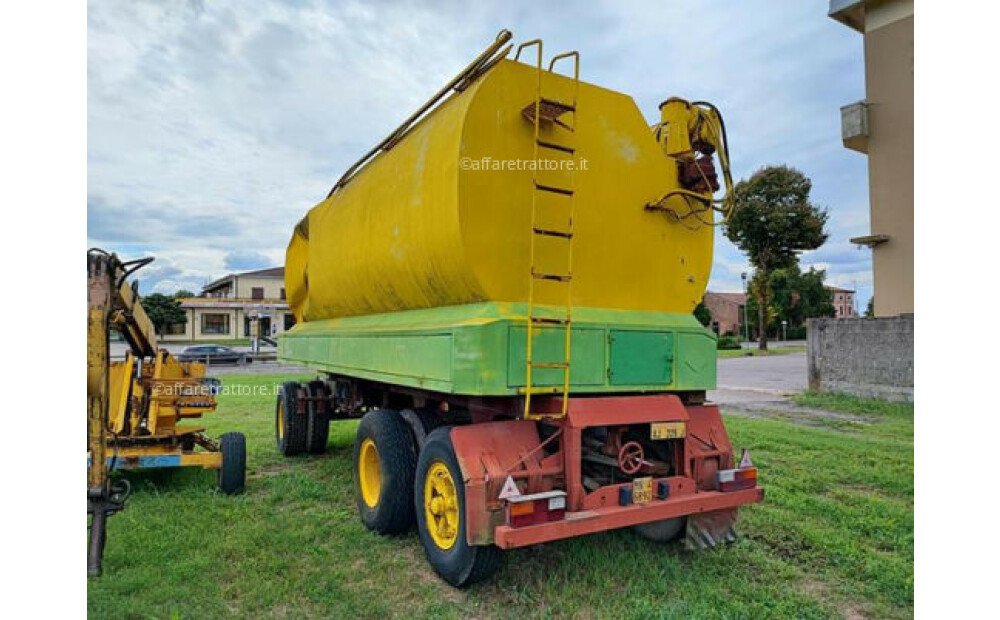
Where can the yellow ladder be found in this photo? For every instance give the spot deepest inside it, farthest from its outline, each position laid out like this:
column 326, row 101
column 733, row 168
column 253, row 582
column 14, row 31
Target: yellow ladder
column 559, row 138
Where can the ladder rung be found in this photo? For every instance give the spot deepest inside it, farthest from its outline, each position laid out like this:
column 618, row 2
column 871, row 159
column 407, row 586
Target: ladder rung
column 549, row 321
column 555, row 277
column 556, row 147
column 549, row 364
column 553, row 189
column 553, row 233
column 542, row 390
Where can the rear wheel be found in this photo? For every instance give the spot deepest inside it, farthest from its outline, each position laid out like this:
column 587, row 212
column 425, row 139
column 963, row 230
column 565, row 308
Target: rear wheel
column 289, row 424
column 439, row 501
column 318, row 420
column 233, row 473
column 384, row 460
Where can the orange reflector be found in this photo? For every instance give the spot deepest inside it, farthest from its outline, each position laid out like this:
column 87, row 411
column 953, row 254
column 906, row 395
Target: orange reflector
column 522, row 508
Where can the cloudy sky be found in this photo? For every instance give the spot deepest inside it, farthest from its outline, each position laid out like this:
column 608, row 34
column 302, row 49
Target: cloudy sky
column 214, row 126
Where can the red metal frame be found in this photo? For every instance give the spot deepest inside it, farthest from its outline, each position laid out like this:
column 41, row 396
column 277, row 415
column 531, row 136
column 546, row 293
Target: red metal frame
column 489, row 452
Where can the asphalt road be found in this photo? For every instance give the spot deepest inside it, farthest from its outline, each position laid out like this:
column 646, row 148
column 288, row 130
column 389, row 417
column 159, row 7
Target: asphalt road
column 760, row 379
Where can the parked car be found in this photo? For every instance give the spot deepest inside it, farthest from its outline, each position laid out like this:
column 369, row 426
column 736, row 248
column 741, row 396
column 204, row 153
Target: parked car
column 214, row 354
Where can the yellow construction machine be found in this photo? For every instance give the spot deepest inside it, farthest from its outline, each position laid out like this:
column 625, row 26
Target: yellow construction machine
column 135, row 405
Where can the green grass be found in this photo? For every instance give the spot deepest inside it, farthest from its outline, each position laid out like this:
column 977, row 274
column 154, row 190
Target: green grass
column 833, row 538
column 723, row 353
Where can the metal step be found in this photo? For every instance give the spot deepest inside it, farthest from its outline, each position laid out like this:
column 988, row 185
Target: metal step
column 553, row 233
column 554, row 277
column 549, row 364
column 552, row 188
column 548, row 110
column 556, row 147
column 549, row 321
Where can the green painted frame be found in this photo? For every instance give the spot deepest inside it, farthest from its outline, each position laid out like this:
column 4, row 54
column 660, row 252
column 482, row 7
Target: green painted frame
column 478, row 350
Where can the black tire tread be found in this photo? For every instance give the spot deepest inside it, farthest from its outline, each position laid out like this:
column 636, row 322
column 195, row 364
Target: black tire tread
column 474, row 563
column 233, row 473
column 294, row 441
column 397, row 460
column 317, row 424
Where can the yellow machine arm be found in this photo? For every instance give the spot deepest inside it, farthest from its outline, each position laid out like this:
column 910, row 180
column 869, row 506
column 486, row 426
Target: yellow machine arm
column 133, row 406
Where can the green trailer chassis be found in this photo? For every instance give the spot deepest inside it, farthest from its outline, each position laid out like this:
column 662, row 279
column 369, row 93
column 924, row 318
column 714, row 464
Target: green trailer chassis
column 479, row 350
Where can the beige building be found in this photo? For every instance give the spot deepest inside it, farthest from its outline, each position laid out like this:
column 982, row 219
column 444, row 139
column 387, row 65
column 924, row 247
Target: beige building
column 882, row 127
column 226, row 308
column 843, row 302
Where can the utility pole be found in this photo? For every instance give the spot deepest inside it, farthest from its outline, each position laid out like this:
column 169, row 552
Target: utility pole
column 746, row 298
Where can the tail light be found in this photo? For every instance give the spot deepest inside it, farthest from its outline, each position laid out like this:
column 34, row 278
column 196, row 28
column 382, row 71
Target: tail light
column 536, row 508
column 737, row 479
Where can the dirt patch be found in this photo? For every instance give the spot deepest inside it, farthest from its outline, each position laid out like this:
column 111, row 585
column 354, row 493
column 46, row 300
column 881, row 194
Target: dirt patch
column 821, row 592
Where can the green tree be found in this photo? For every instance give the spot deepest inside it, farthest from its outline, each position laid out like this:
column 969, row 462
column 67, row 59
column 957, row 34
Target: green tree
column 799, row 295
column 163, row 310
column 870, row 308
column 183, row 293
column 702, row 314
column 774, row 222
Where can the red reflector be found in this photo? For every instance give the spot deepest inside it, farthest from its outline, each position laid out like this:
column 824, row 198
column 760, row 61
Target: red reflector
column 737, row 479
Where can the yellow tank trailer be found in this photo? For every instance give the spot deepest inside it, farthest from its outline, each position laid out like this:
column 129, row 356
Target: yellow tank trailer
column 504, row 288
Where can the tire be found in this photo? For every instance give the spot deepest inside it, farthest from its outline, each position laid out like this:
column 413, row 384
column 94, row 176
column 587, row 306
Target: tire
column 317, row 424
column 422, row 422
column 662, row 531
column 384, row 461
column 233, row 473
column 289, row 426
column 448, row 552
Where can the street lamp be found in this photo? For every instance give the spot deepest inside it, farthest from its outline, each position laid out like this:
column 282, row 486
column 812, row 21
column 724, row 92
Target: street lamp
column 746, row 298
column 784, row 330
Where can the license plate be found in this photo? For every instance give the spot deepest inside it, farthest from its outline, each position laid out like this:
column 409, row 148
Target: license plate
column 667, row 430
column 642, row 490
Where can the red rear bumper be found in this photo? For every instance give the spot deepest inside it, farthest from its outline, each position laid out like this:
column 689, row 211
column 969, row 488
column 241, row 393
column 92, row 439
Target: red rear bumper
column 611, row 517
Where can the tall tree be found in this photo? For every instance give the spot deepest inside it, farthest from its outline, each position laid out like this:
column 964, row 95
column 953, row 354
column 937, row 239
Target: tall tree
column 774, row 222
column 183, row 293
column 163, row 310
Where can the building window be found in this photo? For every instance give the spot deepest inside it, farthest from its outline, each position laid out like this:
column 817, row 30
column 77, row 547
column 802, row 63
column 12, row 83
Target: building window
column 257, row 292
column 174, row 329
column 282, row 292
column 215, row 324
column 289, row 320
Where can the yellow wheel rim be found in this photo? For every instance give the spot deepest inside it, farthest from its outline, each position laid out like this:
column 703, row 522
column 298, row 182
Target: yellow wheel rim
column 281, row 419
column 441, row 505
column 369, row 473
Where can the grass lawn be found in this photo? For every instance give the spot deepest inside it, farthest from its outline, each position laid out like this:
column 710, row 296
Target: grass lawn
column 833, row 538
column 758, row 353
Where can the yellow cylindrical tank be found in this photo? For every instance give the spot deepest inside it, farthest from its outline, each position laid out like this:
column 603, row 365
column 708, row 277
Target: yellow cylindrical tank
column 444, row 217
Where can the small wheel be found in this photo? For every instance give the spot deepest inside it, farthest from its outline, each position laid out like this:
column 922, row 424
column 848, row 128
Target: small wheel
column 439, row 501
column 233, row 473
column 289, row 424
column 317, row 420
column 384, row 460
